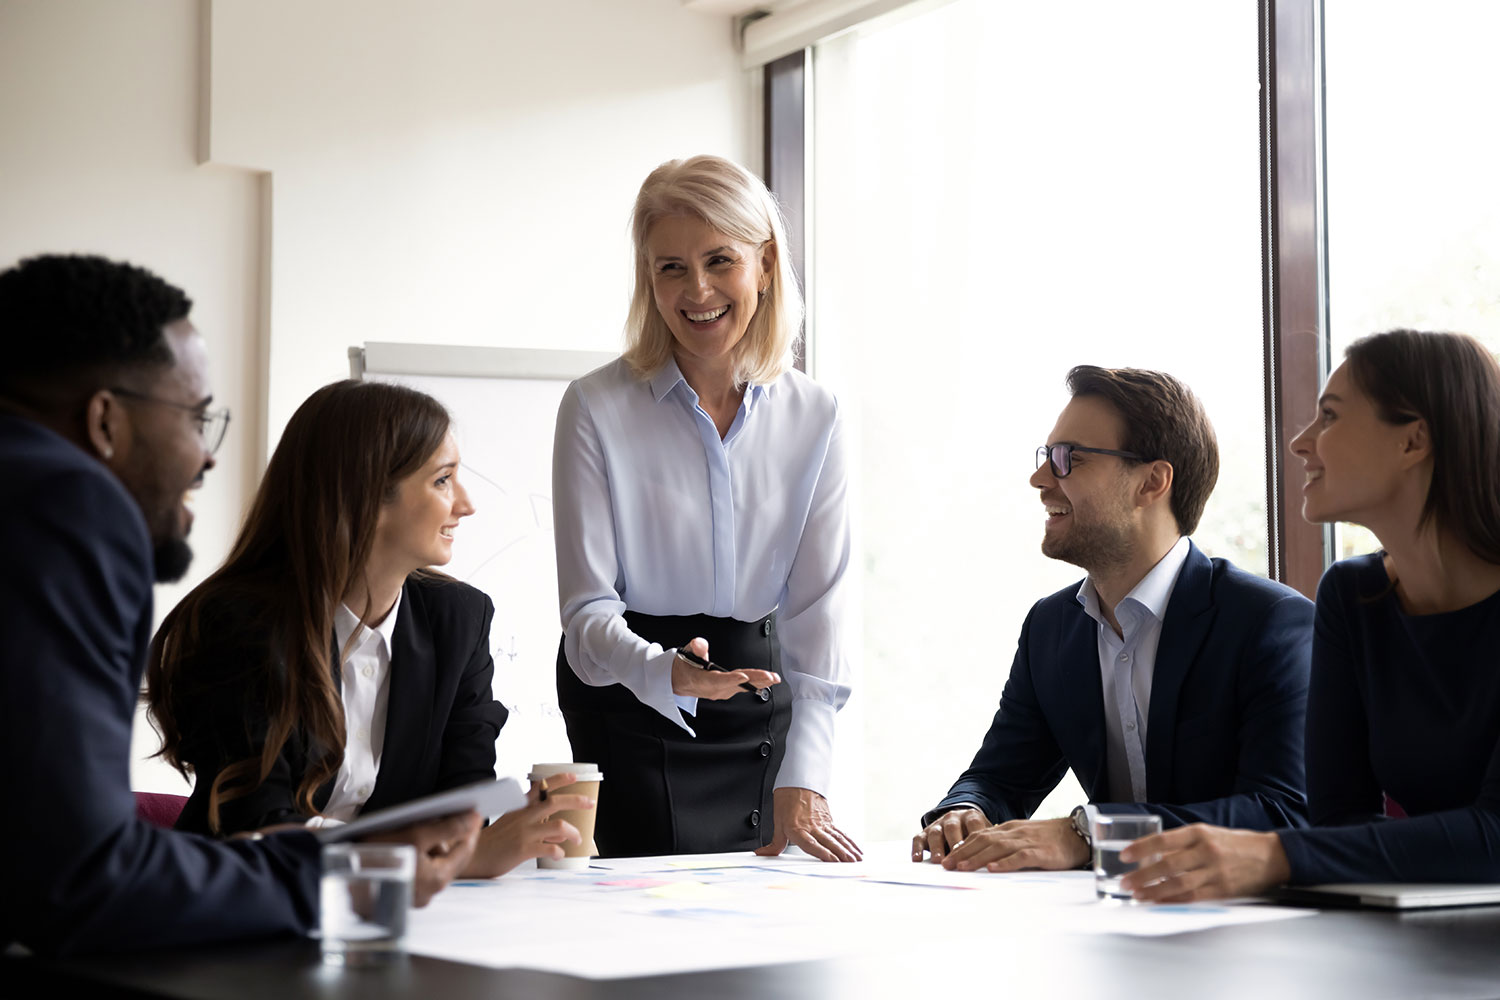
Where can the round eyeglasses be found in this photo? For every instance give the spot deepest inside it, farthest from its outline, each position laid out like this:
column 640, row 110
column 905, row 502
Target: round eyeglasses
column 212, row 424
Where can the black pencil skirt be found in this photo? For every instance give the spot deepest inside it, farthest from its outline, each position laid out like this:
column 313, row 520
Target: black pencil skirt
column 664, row 791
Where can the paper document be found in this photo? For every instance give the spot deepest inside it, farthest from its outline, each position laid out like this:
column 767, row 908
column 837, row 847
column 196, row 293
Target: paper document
column 626, row 909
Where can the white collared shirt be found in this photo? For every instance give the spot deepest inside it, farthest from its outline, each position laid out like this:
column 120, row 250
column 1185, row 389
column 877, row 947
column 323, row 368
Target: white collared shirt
column 365, row 681
column 655, row 513
column 1126, row 665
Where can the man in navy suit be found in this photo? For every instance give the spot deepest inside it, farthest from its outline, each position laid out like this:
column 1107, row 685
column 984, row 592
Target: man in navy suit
column 1169, row 682
column 105, row 424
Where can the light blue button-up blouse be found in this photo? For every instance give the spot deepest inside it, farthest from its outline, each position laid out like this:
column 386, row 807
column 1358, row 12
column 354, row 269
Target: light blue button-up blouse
column 654, row 513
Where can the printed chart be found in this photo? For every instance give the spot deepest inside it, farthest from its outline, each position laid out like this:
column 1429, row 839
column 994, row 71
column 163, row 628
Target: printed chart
column 650, row 916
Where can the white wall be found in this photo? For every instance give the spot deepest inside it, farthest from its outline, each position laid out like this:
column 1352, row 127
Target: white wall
column 458, row 171
column 98, row 104
column 449, row 171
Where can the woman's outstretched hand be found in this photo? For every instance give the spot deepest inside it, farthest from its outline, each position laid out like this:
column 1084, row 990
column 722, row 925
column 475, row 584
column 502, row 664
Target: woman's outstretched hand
column 691, row 680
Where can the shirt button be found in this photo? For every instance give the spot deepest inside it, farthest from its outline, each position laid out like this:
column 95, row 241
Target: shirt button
column 755, row 817
column 1125, row 657
column 765, row 748
column 364, row 791
column 368, row 671
column 364, row 736
column 1130, row 727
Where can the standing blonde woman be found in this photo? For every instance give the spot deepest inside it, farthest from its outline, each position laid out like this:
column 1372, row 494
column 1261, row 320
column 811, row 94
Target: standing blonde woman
column 699, row 490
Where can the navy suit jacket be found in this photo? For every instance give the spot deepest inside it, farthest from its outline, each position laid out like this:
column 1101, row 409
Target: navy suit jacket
column 82, row 873
column 1225, row 729
column 441, row 722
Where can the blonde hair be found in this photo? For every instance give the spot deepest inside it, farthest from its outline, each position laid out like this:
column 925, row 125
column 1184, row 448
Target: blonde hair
column 733, row 201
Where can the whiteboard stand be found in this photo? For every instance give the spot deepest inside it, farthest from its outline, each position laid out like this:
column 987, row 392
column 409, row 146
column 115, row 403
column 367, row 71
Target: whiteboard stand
column 504, row 406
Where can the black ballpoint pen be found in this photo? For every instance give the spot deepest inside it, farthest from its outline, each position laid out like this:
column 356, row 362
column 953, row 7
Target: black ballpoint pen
column 694, row 658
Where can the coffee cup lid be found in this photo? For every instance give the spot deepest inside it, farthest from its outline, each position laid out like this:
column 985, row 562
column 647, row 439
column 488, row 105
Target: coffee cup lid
column 580, row 771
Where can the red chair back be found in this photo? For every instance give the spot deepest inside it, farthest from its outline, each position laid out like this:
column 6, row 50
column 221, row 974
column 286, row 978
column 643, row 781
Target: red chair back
column 159, row 808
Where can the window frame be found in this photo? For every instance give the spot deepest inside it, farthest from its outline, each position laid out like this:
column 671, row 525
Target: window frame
column 1294, row 283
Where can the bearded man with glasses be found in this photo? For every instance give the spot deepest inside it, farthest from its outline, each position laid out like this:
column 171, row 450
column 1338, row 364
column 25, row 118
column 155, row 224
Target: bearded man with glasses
column 1171, row 683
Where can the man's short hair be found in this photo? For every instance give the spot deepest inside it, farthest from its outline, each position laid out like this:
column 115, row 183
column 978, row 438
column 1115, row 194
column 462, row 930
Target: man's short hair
column 1164, row 421
column 68, row 319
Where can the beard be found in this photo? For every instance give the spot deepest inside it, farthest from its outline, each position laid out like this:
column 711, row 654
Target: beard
column 160, row 500
column 171, row 558
column 1096, row 546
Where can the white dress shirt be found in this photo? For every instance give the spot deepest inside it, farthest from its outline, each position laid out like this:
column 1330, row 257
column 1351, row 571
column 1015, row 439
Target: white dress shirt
column 1126, row 665
column 654, row 513
column 365, row 682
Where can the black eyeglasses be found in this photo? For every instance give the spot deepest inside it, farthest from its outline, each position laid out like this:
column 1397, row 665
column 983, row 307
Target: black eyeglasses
column 1060, row 456
column 212, row 424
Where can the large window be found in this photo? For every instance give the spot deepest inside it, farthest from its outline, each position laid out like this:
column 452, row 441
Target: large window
column 1413, row 175
column 1002, row 190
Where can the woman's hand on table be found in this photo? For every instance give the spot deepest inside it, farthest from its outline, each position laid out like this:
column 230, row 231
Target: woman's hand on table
column 444, row 847
column 533, row 831
column 693, row 681
column 1204, row 862
column 803, row 819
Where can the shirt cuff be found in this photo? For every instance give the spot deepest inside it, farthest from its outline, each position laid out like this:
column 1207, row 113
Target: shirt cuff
column 1299, row 859
column 809, row 747
column 659, row 694
column 931, row 816
column 322, row 823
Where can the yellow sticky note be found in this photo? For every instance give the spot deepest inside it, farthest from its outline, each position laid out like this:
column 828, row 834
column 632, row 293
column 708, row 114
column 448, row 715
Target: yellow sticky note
column 686, row 890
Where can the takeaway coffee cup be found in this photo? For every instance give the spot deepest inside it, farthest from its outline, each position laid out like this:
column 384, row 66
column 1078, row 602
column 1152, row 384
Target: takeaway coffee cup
column 588, row 777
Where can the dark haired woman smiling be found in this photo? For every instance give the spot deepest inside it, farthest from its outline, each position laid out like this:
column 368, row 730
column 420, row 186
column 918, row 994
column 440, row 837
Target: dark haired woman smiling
column 323, row 671
column 1403, row 712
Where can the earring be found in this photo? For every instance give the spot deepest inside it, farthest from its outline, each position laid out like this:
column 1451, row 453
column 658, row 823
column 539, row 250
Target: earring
column 109, row 452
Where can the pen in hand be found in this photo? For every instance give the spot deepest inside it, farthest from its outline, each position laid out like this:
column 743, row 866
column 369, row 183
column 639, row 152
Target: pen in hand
column 694, row 658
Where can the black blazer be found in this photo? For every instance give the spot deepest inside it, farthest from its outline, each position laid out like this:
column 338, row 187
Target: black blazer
column 441, row 722
column 82, row 873
column 1228, row 699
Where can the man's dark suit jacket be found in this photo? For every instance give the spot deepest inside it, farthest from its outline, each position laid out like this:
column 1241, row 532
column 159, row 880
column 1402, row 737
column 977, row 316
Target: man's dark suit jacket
column 441, row 722
column 81, row 872
column 1225, row 728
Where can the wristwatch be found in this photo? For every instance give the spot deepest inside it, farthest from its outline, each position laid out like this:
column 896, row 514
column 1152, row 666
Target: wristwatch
column 1080, row 820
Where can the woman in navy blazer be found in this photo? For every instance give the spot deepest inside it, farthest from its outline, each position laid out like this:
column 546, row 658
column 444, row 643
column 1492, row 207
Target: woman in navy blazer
column 323, row 671
column 1403, row 714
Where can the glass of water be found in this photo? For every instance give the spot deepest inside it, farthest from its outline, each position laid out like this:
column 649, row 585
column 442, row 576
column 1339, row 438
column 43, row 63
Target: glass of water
column 365, row 896
column 1112, row 834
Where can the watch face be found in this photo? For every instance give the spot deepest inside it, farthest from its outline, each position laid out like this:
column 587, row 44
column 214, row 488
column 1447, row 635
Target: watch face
column 1081, row 825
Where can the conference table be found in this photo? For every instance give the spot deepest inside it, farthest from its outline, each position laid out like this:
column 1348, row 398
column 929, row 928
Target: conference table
column 932, row 942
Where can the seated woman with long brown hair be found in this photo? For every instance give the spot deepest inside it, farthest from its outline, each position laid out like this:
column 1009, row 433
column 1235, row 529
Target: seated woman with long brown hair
column 324, row 670
column 1403, row 709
